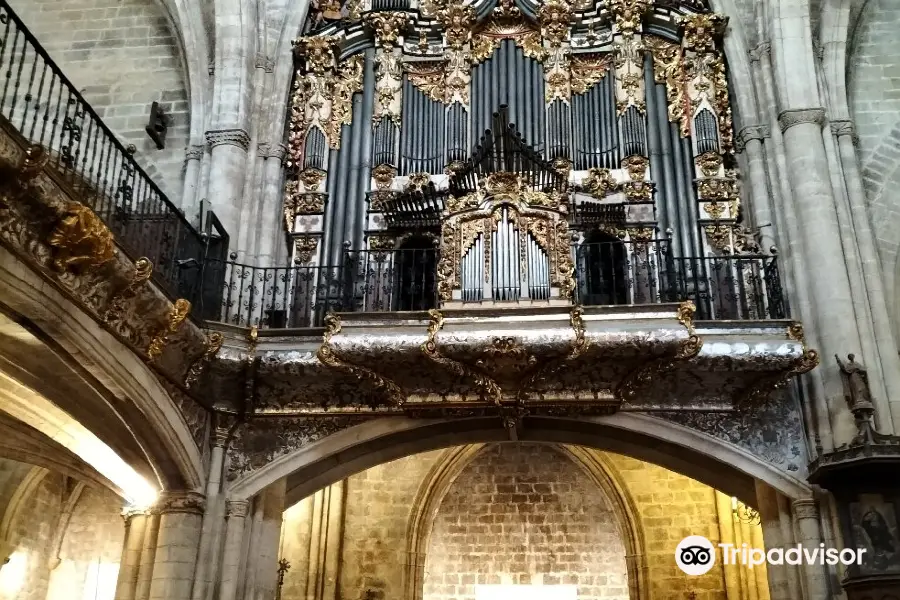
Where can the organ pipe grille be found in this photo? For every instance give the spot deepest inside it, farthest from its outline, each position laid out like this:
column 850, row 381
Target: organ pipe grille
column 559, row 128
column 383, row 144
column 706, row 132
column 314, row 150
column 634, row 132
column 596, row 136
column 457, row 129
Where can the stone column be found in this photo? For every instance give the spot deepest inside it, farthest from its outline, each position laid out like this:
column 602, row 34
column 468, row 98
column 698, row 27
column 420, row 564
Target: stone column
column 189, row 199
column 212, row 516
column 270, row 231
column 228, row 164
column 832, row 308
column 236, row 513
column 262, row 564
column 129, row 566
column 888, row 409
column 180, row 514
column 751, row 139
column 770, row 522
column 806, row 518
column 148, row 557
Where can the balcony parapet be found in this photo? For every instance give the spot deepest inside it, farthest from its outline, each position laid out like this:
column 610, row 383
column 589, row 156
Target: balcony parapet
column 553, row 361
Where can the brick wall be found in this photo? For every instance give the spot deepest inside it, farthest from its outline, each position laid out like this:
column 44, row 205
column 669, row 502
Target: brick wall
column 523, row 514
column 874, row 90
column 122, row 56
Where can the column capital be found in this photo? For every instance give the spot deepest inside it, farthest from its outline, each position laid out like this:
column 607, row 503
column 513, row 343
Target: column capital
column 180, row 502
column 267, row 150
column 799, row 116
column 842, row 127
column 752, row 132
column 237, row 508
column 228, row 137
column 129, row 512
column 194, row 152
column 760, row 51
column 805, row 508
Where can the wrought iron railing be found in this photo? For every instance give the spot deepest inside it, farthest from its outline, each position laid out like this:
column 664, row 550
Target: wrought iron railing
column 613, row 273
column 39, row 101
column 743, row 287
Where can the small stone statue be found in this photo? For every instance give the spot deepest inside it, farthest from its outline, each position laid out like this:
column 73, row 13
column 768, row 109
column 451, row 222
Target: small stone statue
column 856, row 383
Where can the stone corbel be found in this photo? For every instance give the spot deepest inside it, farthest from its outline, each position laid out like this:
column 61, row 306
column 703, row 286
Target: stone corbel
column 214, row 342
column 808, row 360
column 177, row 314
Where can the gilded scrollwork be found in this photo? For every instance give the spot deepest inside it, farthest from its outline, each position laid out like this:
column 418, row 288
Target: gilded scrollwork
column 702, row 30
column 555, row 17
column 719, row 236
column 669, row 68
column 417, row 181
column 485, row 385
column 628, row 14
column 600, row 182
column 305, row 248
column 457, row 20
column 81, row 240
column 428, row 78
column 384, row 177
column 710, row 164
column 327, row 356
column 177, row 314
column 143, row 270
column 636, row 166
column 387, row 26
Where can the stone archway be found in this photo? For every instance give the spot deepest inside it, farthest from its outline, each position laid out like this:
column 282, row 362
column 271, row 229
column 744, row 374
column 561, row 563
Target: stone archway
column 598, row 471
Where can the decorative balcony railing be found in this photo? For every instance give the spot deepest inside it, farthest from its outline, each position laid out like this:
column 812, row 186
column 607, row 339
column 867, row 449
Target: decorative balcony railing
column 47, row 110
column 745, row 287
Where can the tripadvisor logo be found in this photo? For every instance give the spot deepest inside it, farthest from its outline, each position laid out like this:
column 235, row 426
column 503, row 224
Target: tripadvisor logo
column 696, row 555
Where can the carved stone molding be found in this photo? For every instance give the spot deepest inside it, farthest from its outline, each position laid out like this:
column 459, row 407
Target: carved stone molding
column 237, row 508
column 180, row 502
column 752, row 132
column 841, row 127
column 228, row 137
column 265, row 63
column 799, row 116
column 805, row 508
column 761, row 51
column 194, row 152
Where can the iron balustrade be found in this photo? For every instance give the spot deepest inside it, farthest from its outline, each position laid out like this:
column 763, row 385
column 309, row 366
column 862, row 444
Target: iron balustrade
column 740, row 287
column 47, row 110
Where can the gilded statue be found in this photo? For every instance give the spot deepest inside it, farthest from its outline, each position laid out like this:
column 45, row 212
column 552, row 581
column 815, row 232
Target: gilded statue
column 856, row 382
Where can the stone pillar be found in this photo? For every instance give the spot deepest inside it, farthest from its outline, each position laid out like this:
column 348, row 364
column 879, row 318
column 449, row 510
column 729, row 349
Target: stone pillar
column 236, row 513
column 270, row 232
column 211, row 524
column 806, row 517
column 180, row 515
column 887, row 414
column 136, row 522
column 751, row 139
column 148, row 557
column 770, row 522
column 832, row 310
column 228, row 164
column 262, row 564
column 189, row 199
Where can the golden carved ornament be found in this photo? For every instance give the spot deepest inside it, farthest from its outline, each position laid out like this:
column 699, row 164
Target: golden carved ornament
column 719, row 236
column 382, row 243
column 723, row 105
column 81, row 240
column 143, row 269
column 669, row 68
column 486, row 386
column 448, row 263
column 327, row 356
column 585, row 71
column 631, row 84
column 213, row 344
column 483, row 46
column 310, row 204
column 565, row 267
column 628, row 14
column 387, row 26
column 312, row 179
column 320, row 52
column 457, row 76
column 600, row 182
column 177, row 314
column 348, row 81
column 457, row 20
column 638, row 191
column 702, row 30
column 454, row 167
column 542, row 199
column 710, row 164
column 428, row 78
column 714, row 209
column 506, row 354
column 563, row 167
column 503, row 184
column 555, row 17
column 636, row 166
column 717, row 188
column 455, row 205
column 305, row 249
column 418, row 181
column 36, row 158
column 384, row 177
column 690, row 347
column 641, row 234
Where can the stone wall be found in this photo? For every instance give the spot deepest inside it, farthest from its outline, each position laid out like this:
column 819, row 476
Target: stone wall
column 524, row 514
column 122, row 56
column 874, row 87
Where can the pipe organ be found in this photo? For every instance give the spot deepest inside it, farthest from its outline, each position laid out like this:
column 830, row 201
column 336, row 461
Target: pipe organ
column 598, row 116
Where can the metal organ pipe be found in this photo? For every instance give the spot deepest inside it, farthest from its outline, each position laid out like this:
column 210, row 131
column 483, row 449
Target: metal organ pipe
column 362, row 150
column 655, row 144
column 665, row 177
column 314, row 150
column 421, row 132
